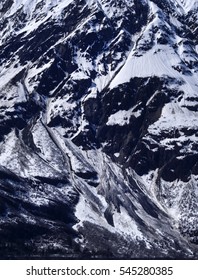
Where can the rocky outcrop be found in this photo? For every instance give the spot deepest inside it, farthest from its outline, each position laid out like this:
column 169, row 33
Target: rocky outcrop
column 98, row 129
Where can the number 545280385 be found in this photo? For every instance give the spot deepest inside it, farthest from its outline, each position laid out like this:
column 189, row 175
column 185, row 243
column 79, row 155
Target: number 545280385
column 146, row 270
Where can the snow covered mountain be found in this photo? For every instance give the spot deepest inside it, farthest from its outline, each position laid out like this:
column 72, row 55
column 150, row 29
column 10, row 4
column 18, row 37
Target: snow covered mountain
column 98, row 128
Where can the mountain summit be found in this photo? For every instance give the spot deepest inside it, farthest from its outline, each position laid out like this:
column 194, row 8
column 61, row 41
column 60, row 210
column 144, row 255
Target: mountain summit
column 99, row 128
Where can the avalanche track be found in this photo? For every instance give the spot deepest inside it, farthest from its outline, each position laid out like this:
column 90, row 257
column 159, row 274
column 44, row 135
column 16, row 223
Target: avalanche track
column 98, row 129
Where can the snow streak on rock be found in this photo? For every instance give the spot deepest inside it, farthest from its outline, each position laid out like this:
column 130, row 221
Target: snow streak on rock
column 98, row 128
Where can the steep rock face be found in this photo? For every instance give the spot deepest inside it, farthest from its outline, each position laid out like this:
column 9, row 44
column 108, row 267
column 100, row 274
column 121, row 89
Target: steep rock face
column 98, row 128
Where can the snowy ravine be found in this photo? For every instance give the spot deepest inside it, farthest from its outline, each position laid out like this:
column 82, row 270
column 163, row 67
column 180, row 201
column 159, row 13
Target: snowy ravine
column 98, row 129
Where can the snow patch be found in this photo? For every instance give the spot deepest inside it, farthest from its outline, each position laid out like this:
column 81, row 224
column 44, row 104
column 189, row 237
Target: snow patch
column 123, row 117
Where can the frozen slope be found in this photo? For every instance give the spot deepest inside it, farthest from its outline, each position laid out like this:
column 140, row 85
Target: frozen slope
column 188, row 4
column 98, row 129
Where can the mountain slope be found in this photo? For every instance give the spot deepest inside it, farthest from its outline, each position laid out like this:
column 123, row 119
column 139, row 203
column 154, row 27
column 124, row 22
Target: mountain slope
column 98, row 122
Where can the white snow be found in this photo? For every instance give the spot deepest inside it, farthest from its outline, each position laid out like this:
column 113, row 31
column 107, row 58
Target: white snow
column 57, row 156
column 33, row 73
column 188, row 4
column 13, row 157
column 125, row 224
column 8, row 74
column 123, row 117
column 35, row 14
column 157, row 62
column 86, row 210
column 174, row 117
column 160, row 60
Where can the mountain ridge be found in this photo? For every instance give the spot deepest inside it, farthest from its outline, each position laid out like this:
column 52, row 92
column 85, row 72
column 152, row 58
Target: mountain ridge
column 98, row 122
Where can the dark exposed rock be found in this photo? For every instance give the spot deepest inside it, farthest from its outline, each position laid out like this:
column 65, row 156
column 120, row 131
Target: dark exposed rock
column 98, row 129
